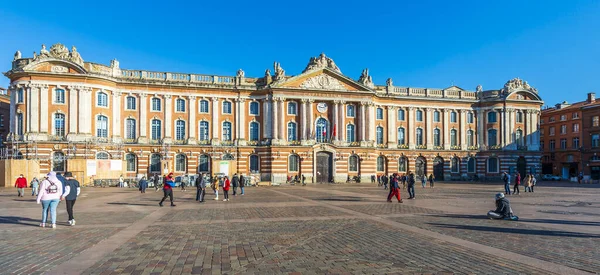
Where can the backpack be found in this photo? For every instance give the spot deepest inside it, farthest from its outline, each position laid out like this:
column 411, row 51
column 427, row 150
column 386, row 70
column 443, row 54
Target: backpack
column 52, row 188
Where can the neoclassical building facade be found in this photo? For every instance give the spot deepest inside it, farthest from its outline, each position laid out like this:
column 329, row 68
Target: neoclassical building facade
column 101, row 121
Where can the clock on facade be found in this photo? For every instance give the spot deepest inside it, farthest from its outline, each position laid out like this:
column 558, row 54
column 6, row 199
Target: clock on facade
column 322, row 107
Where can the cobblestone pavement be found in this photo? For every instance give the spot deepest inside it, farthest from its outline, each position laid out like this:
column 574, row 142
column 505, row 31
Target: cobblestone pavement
column 316, row 229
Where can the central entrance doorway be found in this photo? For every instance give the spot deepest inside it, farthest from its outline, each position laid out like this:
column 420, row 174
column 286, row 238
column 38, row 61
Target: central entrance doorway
column 324, row 167
column 522, row 166
column 438, row 168
column 420, row 167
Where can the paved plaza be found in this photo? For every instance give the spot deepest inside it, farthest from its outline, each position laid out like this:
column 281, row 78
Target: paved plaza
column 316, row 229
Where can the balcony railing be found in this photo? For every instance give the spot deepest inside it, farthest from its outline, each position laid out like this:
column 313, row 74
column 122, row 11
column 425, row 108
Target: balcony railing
column 402, row 146
column 155, row 141
column 472, row 148
column 437, row 147
column 495, row 147
column 130, row 141
column 204, row 142
column 423, row 146
column 295, row 143
column 227, row 143
column 252, row 143
column 57, row 138
column 354, row 144
column 180, row 141
column 522, row 147
column 455, row 147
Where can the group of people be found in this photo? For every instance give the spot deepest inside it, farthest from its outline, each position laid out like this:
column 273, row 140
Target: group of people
column 529, row 182
column 53, row 189
column 408, row 182
column 383, row 180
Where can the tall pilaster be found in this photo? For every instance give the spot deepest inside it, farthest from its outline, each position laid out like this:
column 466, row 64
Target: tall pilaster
column 528, row 126
column 480, row 131
column 311, row 120
column 168, row 119
column 275, row 120
column 27, row 120
column 34, row 108
column 335, row 120
column 192, row 119
column 463, row 129
column 446, row 114
column 143, row 118
column 44, row 109
column 503, row 128
column 411, row 127
column 363, row 120
column 510, row 125
column 266, row 117
column 429, row 127
column 116, row 115
column 371, row 122
column 241, row 121
column 341, row 129
column 73, row 109
column 13, row 100
column 215, row 119
column 392, row 140
column 303, row 119
column 85, row 114
column 282, row 123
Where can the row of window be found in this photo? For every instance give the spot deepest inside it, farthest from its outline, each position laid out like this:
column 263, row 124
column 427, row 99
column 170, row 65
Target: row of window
column 563, row 129
column 563, row 144
column 562, row 118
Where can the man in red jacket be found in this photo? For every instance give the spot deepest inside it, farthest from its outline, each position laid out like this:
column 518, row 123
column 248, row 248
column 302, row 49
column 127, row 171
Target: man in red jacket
column 21, row 184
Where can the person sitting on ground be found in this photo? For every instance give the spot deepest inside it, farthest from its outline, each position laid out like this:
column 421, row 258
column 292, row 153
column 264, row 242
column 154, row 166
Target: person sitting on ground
column 503, row 209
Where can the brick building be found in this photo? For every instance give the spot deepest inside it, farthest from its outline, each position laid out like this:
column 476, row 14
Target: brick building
column 4, row 115
column 590, row 158
column 103, row 121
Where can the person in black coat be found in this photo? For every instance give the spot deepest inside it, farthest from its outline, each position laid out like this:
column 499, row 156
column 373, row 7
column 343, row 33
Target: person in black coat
column 503, row 209
column 411, row 186
column 235, row 182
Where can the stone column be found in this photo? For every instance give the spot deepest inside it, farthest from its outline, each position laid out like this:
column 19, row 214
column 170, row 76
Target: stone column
column 410, row 113
column 511, row 141
column 237, row 119
column 303, row 120
column 192, row 126
column 27, row 119
column 446, row 114
column 479, row 132
column 536, row 132
column 266, row 118
column 13, row 109
column 429, row 127
column 311, row 127
column 335, row 120
column 85, row 114
column 44, row 110
column 371, row 122
column 168, row 138
column 341, row 129
column 116, row 116
column 34, row 103
column 463, row 129
column 143, row 123
column 362, row 123
column 503, row 128
column 73, row 109
column 241, row 121
column 392, row 140
column 282, row 124
column 275, row 120
column 215, row 120
column 528, row 115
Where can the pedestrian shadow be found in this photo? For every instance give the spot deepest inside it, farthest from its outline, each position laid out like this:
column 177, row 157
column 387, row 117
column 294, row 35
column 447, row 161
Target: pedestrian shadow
column 521, row 220
column 517, row 231
column 343, row 198
column 127, row 203
column 19, row 220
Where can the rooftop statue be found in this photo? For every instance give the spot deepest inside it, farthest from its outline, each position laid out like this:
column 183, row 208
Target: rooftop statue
column 44, row 52
column 17, row 55
column 389, row 82
column 366, row 79
column 279, row 72
column 75, row 57
column 479, row 89
column 321, row 62
column 240, row 73
column 517, row 83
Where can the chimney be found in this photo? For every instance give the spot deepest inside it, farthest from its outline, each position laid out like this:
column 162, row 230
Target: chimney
column 591, row 97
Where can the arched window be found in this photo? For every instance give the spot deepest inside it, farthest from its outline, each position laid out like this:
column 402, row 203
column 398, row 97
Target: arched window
column 59, row 125
column 130, row 160
column 379, row 135
column 291, row 129
column 58, row 162
column 227, row 156
column 59, row 96
column 204, row 106
column 203, row 133
column 401, row 136
column 20, row 124
column 455, row 165
column 131, row 103
column 156, row 104
column 402, row 164
column 102, row 155
column 492, row 141
column 254, row 131
column 419, row 136
column 436, row 137
column 180, row 163
column 419, row 115
column 470, row 138
column 180, row 130
column 350, row 136
column 492, row 165
column 321, row 133
column 401, row 114
column 156, row 129
column 471, row 165
column 155, row 163
column 453, row 137
column 180, row 105
column 130, row 128
column 519, row 137
column 353, row 163
column 380, row 164
column 254, row 108
column 226, row 107
column 293, row 163
column 254, row 164
column 203, row 163
column 379, row 113
column 102, row 126
column 102, row 99
column 292, row 108
column 226, row 131
column 453, row 117
column 436, row 116
column 20, row 97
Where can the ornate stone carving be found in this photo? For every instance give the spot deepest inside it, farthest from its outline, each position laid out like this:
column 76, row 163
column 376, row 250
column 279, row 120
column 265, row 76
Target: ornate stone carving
column 322, row 81
column 17, row 55
column 114, row 63
column 517, row 83
column 389, row 82
column 321, row 62
column 240, row 73
column 479, row 89
column 75, row 56
column 59, row 51
column 43, row 52
column 268, row 78
column 366, row 79
column 59, row 69
column 279, row 71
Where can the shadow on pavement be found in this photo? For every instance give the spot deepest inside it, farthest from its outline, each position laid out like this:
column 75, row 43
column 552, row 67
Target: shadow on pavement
column 19, row 220
column 521, row 220
column 127, row 203
column 517, row 230
column 339, row 199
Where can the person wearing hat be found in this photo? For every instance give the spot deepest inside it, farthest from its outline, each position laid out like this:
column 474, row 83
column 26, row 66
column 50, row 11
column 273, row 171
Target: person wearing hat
column 49, row 196
column 503, row 209
column 72, row 190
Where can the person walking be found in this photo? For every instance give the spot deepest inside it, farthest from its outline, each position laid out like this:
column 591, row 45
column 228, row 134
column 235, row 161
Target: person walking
column 411, row 186
column 235, row 181
column 121, row 181
column 21, row 184
column 506, row 179
column 215, row 187
column 384, row 181
column 431, row 179
column 527, row 183
column 533, row 182
column 155, row 181
column 143, row 185
column 72, row 191
column 200, row 189
column 168, row 189
column 423, row 180
column 303, row 180
column 184, row 179
column 517, row 182
column 394, row 189
column 404, row 178
column 226, row 186
column 35, row 184
column 49, row 196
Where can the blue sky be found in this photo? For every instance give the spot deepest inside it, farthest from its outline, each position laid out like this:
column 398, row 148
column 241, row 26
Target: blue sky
column 554, row 45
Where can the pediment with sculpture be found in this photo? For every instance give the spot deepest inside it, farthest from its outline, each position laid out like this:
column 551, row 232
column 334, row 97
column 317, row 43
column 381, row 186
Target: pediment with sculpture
column 323, row 79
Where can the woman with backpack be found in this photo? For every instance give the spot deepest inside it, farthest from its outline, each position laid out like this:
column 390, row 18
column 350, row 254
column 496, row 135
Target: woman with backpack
column 49, row 195
column 168, row 189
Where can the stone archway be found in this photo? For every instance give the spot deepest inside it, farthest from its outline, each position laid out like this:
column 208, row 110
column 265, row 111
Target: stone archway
column 438, row 168
column 522, row 166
